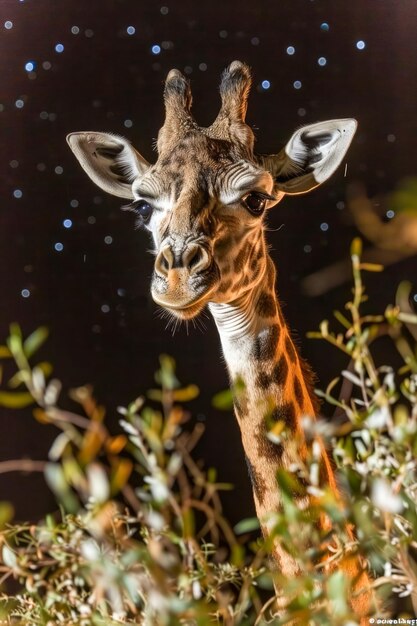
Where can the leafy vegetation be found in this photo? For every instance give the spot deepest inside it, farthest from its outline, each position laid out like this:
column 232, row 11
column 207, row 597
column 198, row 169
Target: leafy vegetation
column 139, row 536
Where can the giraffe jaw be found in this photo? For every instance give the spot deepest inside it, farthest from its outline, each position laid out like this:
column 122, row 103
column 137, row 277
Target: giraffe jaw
column 185, row 311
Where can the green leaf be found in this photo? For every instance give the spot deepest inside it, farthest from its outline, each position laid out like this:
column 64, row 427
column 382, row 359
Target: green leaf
column 15, row 400
column 6, row 513
column 9, row 557
column 337, row 589
column 247, row 525
column 35, row 340
column 342, row 319
column 223, row 400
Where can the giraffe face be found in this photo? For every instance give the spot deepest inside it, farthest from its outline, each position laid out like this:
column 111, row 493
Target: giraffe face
column 205, row 198
column 204, row 203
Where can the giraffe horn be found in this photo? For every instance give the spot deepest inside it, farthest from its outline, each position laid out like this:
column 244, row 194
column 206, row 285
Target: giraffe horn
column 234, row 91
column 178, row 100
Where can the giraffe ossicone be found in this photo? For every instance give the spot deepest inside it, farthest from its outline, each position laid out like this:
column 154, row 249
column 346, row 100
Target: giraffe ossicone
column 204, row 202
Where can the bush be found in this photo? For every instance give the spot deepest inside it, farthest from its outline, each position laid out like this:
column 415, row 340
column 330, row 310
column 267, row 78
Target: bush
column 140, row 538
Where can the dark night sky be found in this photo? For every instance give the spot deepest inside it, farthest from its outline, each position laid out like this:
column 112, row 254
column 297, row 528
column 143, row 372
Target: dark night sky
column 92, row 292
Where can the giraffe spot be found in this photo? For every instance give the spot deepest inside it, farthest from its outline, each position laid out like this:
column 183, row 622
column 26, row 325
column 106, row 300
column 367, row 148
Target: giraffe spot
column 224, row 286
column 254, row 265
column 285, row 413
column 240, row 258
column 263, row 380
column 245, row 281
column 298, row 391
column 280, row 371
column 290, row 349
column 266, row 307
column 258, row 482
column 266, row 343
column 267, row 448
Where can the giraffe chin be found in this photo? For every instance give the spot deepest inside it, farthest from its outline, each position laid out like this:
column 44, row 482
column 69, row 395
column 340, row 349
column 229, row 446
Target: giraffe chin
column 187, row 312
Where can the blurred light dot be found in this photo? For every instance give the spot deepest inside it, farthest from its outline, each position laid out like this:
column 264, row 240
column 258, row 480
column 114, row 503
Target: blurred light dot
column 59, row 246
column 265, row 84
column 202, row 67
column 28, row 269
column 164, row 10
column 391, row 138
column 415, row 297
column 128, row 123
column 32, row 75
column 301, row 111
column 324, row 26
column 167, row 45
column 297, row 84
column 30, row 66
column 188, row 69
column 255, row 41
column 290, row 50
column 52, row 117
column 46, row 65
column 19, row 104
column 390, row 213
column 105, row 308
column 96, row 329
column 156, row 49
column 1, row 107
column 89, row 33
column 59, row 169
column 91, row 219
column 41, row 167
column 8, row 24
column 75, row 30
column 340, row 205
column 59, row 48
column 131, row 30
column 74, row 203
column 322, row 61
column 98, row 200
column 108, row 239
column 307, row 248
column 43, row 115
column 14, row 163
column 324, row 226
column 18, row 193
column 25, row 293
column 67, row 223
column 223, row 34
column 121, row 292
column 360, row 44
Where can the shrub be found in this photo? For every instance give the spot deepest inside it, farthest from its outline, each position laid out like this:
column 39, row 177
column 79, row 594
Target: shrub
column 139, row 536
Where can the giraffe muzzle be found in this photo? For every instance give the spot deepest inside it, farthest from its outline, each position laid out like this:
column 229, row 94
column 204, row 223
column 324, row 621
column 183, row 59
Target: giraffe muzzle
column 183, row 281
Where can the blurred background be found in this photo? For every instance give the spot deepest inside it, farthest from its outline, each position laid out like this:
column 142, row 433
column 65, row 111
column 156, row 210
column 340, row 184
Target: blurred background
column 71, row 260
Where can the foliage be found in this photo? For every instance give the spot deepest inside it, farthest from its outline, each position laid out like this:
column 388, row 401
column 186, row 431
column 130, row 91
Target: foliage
column 140, row 538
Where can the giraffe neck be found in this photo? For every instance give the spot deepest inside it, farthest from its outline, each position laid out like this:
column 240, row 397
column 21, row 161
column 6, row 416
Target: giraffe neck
column 259, row 352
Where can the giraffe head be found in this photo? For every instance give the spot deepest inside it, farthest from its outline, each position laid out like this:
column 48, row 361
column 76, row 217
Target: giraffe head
column 205, row 198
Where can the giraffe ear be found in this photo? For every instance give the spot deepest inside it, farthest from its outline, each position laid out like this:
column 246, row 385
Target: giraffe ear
column 311, row 156
column 109, row 160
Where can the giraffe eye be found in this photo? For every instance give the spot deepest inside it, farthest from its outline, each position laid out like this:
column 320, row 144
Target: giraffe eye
column 255, row 203
column 143, row 209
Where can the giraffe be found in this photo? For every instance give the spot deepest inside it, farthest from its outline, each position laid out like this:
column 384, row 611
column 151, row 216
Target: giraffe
column 204, row 203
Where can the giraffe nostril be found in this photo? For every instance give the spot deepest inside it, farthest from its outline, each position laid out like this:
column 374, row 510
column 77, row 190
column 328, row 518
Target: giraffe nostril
column 164, row 263
column 194, row 258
